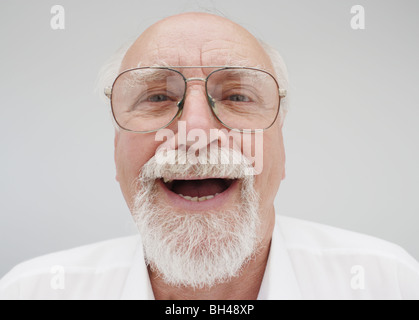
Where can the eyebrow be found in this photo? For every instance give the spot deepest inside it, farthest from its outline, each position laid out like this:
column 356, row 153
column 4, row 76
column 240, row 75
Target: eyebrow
column 153, row 74
column 230, row 62
column 156, row 74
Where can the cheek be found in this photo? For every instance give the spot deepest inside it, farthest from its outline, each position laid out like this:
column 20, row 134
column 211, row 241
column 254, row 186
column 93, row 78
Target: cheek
column 132, row 151
column 267, row 183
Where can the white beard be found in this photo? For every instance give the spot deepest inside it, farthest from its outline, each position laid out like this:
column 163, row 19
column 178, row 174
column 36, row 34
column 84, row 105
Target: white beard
column 193, row 248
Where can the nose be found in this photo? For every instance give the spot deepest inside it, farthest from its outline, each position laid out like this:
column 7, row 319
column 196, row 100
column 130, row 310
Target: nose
column 196, row 112
column 196, row 119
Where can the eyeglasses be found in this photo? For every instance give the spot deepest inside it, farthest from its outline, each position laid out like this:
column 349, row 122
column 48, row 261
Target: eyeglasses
column 148, row 99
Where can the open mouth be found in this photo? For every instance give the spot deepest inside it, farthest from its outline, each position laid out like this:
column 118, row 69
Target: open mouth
column 198, row 190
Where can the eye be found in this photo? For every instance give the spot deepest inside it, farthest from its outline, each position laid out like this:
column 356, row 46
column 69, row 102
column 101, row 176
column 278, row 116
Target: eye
column 158, row 98
column 238, row 98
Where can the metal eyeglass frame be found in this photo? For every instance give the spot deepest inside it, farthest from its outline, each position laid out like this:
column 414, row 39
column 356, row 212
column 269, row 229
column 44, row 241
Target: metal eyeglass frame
column 281, row 92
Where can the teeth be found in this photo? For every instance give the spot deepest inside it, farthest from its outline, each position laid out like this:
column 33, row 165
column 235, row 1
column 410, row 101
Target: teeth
column 167, row 180
column 196, row 199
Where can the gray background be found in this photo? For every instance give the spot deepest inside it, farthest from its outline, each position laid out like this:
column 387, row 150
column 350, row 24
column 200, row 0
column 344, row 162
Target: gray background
column 351, row 135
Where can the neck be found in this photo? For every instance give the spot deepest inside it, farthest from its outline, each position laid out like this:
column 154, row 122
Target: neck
column 246, row 286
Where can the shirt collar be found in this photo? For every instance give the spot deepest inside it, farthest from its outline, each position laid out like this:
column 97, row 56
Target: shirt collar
column 137, row 285
column 279, row 281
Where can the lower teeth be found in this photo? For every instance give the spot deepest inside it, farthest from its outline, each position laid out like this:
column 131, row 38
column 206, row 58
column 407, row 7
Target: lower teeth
column 196, row 199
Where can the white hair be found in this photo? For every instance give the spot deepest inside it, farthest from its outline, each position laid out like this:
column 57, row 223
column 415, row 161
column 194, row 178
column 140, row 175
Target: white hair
column 281, row 73
column 111, row 69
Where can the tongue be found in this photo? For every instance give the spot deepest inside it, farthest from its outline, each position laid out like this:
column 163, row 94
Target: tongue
column 199, row 188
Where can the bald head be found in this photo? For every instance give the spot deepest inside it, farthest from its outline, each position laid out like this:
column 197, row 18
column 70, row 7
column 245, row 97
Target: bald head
column 195, row 39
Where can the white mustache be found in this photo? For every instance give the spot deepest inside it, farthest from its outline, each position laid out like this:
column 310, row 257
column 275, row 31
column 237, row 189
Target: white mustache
column 215, row 163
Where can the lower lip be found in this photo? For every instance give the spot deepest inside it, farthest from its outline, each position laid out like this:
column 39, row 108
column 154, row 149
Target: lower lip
column 217, row 202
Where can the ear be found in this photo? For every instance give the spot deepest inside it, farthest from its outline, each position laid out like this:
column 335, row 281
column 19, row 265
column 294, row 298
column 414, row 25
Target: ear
column 281, row 119
column 282, row 149
column 116, row 139
column 283, row 160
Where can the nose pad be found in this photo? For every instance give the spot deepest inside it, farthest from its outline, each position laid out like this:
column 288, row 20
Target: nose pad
column 213, row 107
column 179, row 114
column 211, row 103
column 210, row 100
column 180, row 105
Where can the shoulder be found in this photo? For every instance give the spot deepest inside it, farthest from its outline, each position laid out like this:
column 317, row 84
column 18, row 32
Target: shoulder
column 46, row 276
column 317, row 237
column 336, row 256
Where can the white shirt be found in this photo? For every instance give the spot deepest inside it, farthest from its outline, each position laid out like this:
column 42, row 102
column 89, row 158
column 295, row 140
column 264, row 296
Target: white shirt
column 306, row 261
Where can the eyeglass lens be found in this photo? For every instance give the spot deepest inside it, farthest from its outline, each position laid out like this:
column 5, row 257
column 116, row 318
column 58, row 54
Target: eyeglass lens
column 148, row 99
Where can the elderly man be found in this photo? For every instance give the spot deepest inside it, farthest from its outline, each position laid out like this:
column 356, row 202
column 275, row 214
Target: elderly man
column 198, row 104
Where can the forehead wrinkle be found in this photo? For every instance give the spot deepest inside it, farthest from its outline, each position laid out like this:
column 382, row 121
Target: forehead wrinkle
column 228, row 59
column 166, row 56
column 231, row 60
column 163, row 46
column 242, row 53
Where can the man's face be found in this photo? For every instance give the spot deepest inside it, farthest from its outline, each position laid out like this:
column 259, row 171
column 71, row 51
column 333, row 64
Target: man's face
column 199, row 40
